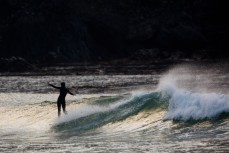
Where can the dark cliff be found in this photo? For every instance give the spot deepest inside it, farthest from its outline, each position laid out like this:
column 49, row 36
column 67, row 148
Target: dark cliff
column 89, row 30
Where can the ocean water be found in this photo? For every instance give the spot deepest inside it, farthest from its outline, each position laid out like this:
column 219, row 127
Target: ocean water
column 185, row 109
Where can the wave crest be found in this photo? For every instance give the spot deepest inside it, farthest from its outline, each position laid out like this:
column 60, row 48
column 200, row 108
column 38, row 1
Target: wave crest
column 186, row 105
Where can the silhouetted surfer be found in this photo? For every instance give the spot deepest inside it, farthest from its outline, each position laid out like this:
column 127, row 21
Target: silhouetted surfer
column 61, row 98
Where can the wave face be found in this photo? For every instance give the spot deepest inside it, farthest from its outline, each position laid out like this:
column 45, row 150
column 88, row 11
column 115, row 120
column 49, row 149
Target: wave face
column 91, row 116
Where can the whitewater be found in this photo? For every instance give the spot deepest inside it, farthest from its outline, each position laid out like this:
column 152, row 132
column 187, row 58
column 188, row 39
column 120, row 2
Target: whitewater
column 185, row 109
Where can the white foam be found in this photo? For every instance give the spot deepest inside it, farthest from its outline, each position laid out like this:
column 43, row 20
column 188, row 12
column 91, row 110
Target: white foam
column 185, row 104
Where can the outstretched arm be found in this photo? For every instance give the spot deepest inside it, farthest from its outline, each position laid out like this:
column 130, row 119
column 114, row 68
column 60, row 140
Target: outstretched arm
column 54, row 86
column 70, row 92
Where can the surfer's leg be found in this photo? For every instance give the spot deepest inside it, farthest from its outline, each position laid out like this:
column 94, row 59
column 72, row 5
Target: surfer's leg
column 64, row 106
column 59, row 108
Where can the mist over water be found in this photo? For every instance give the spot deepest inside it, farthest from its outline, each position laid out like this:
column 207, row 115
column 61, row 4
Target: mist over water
column 184, row 109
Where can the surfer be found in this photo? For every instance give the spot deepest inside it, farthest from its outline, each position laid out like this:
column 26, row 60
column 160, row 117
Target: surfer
column 61, row 98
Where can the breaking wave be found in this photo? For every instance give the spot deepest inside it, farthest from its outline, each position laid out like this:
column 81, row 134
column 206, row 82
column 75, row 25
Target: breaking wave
column 180, row 105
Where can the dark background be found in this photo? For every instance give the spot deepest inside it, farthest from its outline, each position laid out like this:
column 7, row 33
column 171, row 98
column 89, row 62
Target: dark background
column 62, row 31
